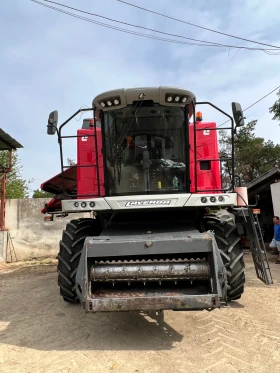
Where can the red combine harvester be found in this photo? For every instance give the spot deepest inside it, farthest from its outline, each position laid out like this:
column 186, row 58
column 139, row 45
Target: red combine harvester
column 166, row 225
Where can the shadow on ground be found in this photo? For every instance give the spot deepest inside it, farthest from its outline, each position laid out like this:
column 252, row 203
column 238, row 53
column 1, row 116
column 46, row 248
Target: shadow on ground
column 33, row 315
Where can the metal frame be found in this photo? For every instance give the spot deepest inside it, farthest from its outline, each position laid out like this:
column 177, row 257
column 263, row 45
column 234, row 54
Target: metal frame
column 218, row 159
column 188, row 242
column 250, row 222
column 187, row 174
column 63, row 167
column 187, row 138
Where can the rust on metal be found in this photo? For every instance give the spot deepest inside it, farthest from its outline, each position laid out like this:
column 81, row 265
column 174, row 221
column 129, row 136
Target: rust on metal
column 207, row 236
column 149, row 271
column 152, row 303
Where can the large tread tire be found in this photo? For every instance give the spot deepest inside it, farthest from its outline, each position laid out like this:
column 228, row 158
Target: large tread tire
column 229, row 244
column 70, row 249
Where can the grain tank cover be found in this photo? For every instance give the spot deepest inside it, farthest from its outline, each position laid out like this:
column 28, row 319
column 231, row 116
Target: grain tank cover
column 119, row 98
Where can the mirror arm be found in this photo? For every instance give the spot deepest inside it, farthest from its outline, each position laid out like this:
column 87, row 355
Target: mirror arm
column 241, row 117
column 72, row 116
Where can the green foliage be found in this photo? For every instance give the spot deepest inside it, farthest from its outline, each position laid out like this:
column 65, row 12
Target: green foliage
column 253, row 155
column 41, row 194
column 17, row 187
column 275, row 108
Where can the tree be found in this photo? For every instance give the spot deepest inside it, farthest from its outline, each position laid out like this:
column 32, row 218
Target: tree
column 41, row 194
column 17, row 187
column 253, row 155
column 70, row 162
column 275, row 108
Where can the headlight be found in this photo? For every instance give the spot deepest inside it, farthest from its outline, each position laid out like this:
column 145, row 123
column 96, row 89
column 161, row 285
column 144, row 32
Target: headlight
column 83, row 204
column 203, row 199
column 213, row 199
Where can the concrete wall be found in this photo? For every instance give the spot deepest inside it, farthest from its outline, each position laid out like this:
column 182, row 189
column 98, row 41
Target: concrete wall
column 30, row 234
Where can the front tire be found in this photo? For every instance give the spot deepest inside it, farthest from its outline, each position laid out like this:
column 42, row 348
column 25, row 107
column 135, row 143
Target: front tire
column 229, row 244
column 70, row 249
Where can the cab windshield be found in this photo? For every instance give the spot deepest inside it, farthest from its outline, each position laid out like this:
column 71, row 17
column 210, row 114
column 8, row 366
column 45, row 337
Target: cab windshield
column 145, row 150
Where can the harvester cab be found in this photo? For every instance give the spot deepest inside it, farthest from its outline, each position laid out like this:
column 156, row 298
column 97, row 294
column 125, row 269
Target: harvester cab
column 166, row 222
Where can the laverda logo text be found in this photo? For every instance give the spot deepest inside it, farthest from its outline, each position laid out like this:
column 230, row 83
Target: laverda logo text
column 149, row 202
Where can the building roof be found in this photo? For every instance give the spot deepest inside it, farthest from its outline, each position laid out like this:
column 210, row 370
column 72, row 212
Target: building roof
column 263, row 182
column 7, row 142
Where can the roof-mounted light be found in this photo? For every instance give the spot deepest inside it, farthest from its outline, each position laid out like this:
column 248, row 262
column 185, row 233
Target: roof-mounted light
column 162, row 95
column 109, row 102
column 199, row 116
column 177, row 99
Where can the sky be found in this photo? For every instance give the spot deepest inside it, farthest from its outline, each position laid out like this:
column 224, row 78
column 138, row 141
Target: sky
column 51, row 61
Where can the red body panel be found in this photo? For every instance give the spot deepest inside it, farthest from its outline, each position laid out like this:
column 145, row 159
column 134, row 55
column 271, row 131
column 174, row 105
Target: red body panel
column 54, row 185
column 53, row 206
column 84, row 180
column 206, row 150
column 87, row 178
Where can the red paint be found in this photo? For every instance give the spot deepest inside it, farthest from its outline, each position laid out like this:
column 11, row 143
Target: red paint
column 87, row 180
column 206, row 149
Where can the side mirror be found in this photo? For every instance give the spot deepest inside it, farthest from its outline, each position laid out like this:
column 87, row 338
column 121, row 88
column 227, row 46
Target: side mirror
column 238, row 114
column 52, row 123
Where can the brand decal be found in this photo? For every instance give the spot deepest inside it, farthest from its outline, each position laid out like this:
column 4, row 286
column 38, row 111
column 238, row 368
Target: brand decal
column 148, row 202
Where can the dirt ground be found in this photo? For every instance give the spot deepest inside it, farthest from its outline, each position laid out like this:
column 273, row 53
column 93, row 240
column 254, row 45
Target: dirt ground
column 41, row 333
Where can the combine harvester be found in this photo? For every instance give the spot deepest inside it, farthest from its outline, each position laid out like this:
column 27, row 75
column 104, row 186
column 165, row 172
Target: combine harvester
column 166, row 222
